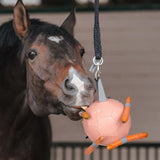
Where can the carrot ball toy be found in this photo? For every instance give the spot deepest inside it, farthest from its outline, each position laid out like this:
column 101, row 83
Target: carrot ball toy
column 108, row 123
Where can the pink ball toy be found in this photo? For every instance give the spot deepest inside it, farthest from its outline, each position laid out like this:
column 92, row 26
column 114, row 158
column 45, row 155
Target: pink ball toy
column 105, row 120
column 108, row 123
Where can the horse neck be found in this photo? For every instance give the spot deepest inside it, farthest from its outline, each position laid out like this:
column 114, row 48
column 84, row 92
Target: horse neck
column 12, row 91
column 12, row 82
column 15, row 122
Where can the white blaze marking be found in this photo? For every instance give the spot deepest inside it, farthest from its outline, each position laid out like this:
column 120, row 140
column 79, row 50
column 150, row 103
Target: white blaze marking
column 56, row 39
column 78, row 83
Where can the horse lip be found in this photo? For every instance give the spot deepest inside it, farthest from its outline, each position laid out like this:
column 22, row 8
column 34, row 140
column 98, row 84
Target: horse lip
column 72, row 111
column 76, row 107
column 72, row 107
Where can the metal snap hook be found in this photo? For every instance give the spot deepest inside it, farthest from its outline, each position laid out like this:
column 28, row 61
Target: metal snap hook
column 97, row 63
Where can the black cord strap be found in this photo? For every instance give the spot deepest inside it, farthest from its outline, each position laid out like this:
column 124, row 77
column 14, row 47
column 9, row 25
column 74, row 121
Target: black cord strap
column 98, row 54
column 97, row 39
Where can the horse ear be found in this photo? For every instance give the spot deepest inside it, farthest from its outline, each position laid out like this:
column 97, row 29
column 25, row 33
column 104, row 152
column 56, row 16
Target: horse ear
column 70, row 22
column 20, row 20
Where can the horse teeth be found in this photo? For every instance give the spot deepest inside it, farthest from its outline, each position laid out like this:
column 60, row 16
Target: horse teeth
column 84, row 107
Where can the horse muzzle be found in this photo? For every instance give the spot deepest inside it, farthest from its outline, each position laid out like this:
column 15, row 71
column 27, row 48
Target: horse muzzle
column 77, row 90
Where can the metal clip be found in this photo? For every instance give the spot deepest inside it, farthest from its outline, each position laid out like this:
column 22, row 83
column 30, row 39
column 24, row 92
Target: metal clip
column 97, row 73
column 97, row 63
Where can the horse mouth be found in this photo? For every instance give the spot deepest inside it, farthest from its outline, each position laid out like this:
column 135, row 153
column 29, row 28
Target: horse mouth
column 72, row 111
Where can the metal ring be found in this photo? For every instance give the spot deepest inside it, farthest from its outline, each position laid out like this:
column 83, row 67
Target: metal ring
column 97, row 62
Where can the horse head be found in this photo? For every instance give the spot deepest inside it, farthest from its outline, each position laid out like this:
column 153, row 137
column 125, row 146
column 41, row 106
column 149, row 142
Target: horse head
column 56, row 80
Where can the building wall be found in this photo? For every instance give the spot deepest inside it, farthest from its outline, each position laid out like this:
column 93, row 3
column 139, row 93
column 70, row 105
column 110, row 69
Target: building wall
column 131, row 52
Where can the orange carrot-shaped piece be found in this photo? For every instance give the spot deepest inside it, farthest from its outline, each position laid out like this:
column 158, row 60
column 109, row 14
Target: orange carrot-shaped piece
column 137, row 136
column 84, row 114
column 126, row 112
column 94, row 145
column 114, row 144
column 127, row 139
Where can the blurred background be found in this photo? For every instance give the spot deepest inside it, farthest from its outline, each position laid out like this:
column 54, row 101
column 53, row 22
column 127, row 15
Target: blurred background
column 130, row 35
column 83, row 4
column 79, row 2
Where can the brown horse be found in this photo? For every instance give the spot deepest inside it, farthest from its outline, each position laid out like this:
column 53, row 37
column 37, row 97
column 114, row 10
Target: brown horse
column 41, row 73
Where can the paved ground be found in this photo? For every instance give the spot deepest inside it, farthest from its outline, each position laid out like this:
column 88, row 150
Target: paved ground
column 131, row 51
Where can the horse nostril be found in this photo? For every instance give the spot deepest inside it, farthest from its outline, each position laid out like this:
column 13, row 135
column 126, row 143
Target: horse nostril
column 68, row 85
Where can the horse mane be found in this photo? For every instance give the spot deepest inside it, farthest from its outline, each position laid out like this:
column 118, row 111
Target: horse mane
column 8, row 42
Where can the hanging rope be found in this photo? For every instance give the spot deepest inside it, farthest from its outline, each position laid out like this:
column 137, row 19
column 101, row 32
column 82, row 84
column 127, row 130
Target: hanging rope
column 97, row 39
column 98, row 60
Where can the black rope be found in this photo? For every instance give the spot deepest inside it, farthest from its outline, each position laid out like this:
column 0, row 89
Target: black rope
column 97, row 39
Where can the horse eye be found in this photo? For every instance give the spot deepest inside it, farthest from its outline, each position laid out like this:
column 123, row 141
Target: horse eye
column 32, row 55
column 82, row 52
